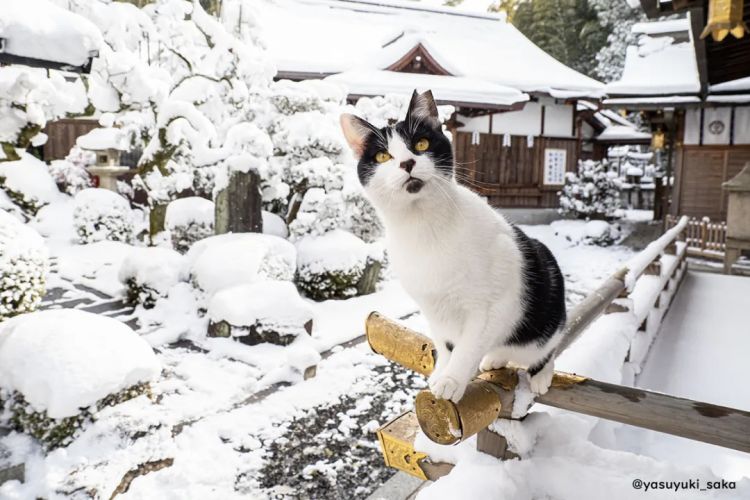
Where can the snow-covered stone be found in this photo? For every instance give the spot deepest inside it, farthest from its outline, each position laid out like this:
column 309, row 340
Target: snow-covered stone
column 189, row 220
column 267, row 311
column 100, row 214
column 58, row 367
column 335, row 265
column 274, row 225
column 149, row 273
column 23, row 267
column 28, row 183
column 230, row 259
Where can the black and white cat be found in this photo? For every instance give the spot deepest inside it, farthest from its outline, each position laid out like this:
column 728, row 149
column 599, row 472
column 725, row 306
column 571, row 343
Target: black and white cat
column 492, row 296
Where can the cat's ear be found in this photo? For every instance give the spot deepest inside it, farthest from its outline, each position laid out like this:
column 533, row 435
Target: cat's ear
column 356, row 130
column 422, row 107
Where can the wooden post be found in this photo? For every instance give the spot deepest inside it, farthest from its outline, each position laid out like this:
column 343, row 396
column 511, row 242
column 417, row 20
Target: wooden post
column 238, row 206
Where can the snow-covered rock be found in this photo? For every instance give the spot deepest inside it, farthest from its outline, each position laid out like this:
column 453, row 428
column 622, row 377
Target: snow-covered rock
column 274, row 225
column 58, row 367
column 336, row 265
column 189, row 220
column 231, row 259
column 267, row 311
column 28, row 183
column 149, row 273
column 23, row 266
column 100, row 214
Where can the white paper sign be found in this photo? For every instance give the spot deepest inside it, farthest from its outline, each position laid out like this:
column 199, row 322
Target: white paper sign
column 554, row 166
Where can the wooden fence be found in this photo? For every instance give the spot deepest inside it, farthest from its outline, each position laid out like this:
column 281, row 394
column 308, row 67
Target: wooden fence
column 654, row 277
column 704, row 238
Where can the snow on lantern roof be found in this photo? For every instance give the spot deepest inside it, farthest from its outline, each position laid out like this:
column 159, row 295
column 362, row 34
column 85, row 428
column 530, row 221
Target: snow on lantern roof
column 343, row 35
column 39, row 33
column 100, row 139
column 446, row 89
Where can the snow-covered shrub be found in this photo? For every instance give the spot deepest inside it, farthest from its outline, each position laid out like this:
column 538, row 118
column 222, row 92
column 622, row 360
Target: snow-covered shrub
column 319, row 212
column 149, row 273
column 601, row 233
column 23, row 266
column 266, row 311
column 336, row 265
column 100, row 214
column 231, row 259
column 59, row 367
column 70, row 176
column 361, row 218
column 592, row 192
column 28, row 183
column 189, row 220
column 274, row 225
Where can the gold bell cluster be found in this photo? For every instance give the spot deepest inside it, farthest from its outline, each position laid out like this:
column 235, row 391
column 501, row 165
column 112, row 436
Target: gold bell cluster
column 725, row 17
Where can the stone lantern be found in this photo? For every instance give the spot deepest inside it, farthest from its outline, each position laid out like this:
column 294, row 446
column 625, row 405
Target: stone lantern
column 738, row 217
column 107, row 144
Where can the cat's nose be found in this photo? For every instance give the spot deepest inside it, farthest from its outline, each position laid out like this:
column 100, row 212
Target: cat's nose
column 408, row 165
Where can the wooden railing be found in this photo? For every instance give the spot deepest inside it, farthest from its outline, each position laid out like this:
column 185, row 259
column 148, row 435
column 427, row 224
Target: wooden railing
column 704, row 238
column 653, row 276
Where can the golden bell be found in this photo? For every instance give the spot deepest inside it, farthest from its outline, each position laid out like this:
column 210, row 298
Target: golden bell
column 724, row 17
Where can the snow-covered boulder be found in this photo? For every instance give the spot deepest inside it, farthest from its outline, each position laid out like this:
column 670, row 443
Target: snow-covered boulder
column 337, row 265
column 231, row 259
column 59, row 367
column 149, row 273
column 28, row 183
column 189, row 220
column 101, row 214
column 266, row 311
column 23, row 267
column 274, row 225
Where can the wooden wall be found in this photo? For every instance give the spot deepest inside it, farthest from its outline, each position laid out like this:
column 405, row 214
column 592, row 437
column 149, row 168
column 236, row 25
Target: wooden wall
column 510, row 176
column 62, row 135
column 700, row 171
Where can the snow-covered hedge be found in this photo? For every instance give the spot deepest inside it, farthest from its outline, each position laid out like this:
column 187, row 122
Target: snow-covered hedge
column 59, row 367
column 231, row 259
column 266, row 311
column 336, row 265
column 591, row 192
column 149, row 273
column 23, row 266
column 70, row 176
column 100, row 214
column 189, row 220
column 28, row 183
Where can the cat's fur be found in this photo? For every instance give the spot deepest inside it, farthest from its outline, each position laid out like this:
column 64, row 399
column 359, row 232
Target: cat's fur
column 491, row 295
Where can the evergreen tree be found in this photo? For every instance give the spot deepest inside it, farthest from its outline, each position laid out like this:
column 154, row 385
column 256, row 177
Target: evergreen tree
column 568, row 30
column 617, row 18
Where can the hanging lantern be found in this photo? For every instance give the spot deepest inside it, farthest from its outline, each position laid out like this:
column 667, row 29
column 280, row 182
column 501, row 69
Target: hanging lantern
column 724, row 17
column 657, row 140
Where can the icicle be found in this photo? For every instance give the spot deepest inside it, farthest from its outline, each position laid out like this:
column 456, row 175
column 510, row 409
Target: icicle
column 506, row 140
column 529, row 141
column 475, row 138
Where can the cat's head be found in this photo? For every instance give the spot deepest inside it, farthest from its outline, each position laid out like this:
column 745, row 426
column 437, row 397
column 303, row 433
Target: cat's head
column 403, row 162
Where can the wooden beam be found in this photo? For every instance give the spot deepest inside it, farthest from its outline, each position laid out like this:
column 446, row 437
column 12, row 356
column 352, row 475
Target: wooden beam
column 697, row 22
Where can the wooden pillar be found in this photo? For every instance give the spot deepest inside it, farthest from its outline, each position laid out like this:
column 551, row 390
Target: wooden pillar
column 238, row 206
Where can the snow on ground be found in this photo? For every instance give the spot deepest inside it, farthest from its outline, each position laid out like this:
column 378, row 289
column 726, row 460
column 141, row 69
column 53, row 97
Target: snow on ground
column 229, row 420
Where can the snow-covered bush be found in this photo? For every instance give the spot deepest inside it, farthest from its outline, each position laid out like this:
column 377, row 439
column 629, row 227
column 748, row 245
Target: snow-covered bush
column 232, row 259
column 266, row 311
column 319, row 212
column 28, row 183
column 274, row 225
column 189, row 220
column 70, row 176
column 336, row 265
column 592, row 192
column 100, row 214
column 23, row 267
column 149, row 273
column 59, row 367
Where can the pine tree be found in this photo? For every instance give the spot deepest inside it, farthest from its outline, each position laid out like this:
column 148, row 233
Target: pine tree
column 617, row 18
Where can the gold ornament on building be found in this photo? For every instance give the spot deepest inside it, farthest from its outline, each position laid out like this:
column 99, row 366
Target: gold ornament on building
column 657, row 140
column 724, row 17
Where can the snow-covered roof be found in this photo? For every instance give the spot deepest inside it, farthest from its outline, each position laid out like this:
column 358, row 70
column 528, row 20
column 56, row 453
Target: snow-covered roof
column 738, row 85
column 445, row 89
column 662, row 27
column 622, row 133
column 104, row 138
column 657, row 66
column 39, row 29
column 322, row 37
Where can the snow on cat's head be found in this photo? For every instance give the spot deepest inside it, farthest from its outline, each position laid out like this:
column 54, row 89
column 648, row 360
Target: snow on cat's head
column 405, row 162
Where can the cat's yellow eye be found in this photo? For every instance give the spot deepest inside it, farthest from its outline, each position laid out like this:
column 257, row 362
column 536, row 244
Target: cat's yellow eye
column 422, row 145
column 382, row 157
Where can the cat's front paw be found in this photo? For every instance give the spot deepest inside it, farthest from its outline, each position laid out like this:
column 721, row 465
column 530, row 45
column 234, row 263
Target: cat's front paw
column 541, row 382
column 446, row 387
